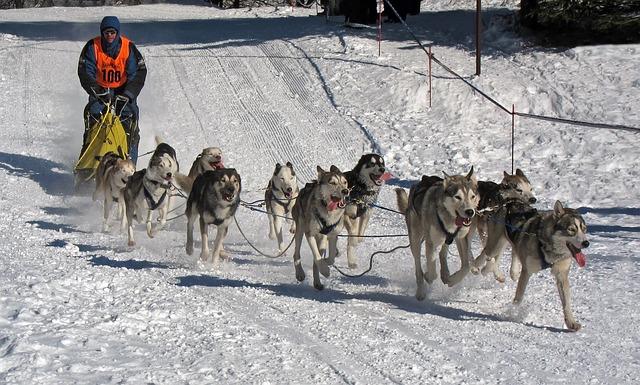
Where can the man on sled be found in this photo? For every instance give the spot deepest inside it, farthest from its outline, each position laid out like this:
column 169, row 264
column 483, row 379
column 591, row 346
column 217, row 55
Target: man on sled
column 113, row 72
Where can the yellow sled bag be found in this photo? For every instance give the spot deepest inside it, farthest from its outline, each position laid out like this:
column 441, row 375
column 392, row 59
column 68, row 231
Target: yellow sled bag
column 105, row 135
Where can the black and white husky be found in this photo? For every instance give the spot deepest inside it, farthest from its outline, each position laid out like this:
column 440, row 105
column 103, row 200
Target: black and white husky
column 147, row 190
column 365, row 181
column 280, row 196
column 214, row 199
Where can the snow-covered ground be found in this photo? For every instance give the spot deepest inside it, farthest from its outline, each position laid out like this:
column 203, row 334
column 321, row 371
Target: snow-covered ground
column 268, row 85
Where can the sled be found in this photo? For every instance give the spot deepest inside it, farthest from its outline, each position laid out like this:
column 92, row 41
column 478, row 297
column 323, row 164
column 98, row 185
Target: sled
column 107, row 134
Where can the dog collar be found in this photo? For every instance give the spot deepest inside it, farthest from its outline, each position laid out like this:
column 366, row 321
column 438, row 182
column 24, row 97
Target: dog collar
column 449, row 236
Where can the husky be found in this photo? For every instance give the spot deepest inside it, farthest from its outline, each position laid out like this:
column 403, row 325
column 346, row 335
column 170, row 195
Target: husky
column 214, row 199
column 319, row 216
column 493, row 197
column 209, row 159
column 438, row 213
column 111, row 177
column 541, row 241
column 365, row 181
column 280, row 196
column 146, row 190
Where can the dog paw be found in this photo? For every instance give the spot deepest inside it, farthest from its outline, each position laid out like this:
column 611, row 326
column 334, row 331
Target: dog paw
column 430, row 277
column 323, row 267
column 573, row 325
column 421, row 294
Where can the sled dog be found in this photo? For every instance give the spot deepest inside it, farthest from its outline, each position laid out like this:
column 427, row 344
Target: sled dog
column 146, row 190
column 438, row 213
column 111, row 177
column 540, row 241
column 209, row 159
column 280, row 196
column 493, row 195
column 365, row 181
column 319, row 215
column 214, row 199
column 513, row 188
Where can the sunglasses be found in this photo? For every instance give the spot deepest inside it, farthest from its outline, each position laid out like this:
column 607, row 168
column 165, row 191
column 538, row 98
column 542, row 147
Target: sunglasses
column 109, row 32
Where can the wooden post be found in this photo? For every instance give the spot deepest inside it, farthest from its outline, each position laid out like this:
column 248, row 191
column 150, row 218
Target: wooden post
column 478, row 33
column 430, row 78
column 513, row 129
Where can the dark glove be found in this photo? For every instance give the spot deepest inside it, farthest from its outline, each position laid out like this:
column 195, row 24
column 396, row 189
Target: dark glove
column 103, row 94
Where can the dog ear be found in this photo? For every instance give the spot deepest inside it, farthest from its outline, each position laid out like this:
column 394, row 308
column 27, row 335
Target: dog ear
column 470, row 174
column 335, row 169
column 558, row 209
column 278, row 167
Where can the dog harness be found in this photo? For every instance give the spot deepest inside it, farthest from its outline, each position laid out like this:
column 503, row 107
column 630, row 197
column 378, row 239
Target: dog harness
column 285, row 205
column 326, row 228
column 449, row 236
column 149, row 198
column 358, row 195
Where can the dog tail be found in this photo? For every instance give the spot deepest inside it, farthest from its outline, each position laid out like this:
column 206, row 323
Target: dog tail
column 403, row 200
column 185, row 182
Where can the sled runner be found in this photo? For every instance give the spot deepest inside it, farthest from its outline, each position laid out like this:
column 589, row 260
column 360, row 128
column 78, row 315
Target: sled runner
column 106, row 134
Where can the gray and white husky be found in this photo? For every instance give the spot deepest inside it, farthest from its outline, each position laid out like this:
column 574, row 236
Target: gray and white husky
column 319, row 216
column 540, row 241
column 280, row 196
column 147, row 190
column 365, row 181
column 439, row 212
column 214, row 199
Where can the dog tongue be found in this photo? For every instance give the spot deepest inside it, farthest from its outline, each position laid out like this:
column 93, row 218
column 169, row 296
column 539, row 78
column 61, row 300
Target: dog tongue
column 580, row 258
column 386, row 176
column 332, row 205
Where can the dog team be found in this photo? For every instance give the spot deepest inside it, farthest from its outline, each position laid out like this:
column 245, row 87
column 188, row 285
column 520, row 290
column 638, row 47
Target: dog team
column 438, row 212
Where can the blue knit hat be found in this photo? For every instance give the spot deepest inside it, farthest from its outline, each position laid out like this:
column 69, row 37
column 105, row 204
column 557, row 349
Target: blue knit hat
column 110, row 22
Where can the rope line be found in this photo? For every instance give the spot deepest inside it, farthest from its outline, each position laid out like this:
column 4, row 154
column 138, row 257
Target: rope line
column 370, row 262
column 500, row 106
column 256, row 249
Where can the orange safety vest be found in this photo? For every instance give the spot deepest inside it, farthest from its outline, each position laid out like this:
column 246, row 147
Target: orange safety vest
column 110, row 72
